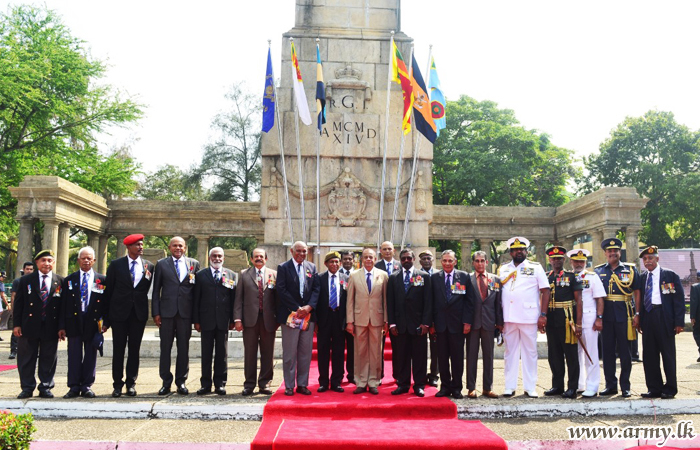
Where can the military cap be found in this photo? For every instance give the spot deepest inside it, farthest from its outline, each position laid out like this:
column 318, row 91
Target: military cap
column 611, row 243
column 425, row 253
column 518, row 242
column 3, row 273
column 556, row 252
column 133, row 238
column 578, row 254
column 651, row 250
column 43, row 253
column 331, row 255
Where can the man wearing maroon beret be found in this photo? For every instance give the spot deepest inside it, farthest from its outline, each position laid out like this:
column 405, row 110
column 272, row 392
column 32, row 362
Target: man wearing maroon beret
column 126, row 305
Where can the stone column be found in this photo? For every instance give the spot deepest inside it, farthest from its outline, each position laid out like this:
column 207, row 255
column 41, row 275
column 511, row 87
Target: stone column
column 63, row 249
column 101, row 254
column 50, row 238
column 466, row 245
column 203, row 251
column 568, row 242
column 93, row 240
column 485, row 246
column 540, row 254
column 632, row 245
column 24, row 244
column 121, row 248
column 598, row 253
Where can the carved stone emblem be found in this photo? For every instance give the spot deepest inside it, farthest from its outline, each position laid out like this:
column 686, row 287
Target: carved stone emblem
column 346, row 201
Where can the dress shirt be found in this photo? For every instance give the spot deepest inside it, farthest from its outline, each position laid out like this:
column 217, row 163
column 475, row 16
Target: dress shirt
column 138, row 269
column 221, row 271
column 180, row 268
column 389, row 265
column 331, row 281
column 90, row 281
column 655, row 290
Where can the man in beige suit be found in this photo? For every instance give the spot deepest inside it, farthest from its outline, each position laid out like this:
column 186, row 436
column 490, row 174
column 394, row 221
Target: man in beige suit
column 254, row 315
column 367, row 321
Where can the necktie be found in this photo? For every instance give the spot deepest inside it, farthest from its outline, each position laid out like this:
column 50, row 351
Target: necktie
column 482, row 287
column 389, row 266
column 407, row 281
column 44, row 293
column 334, row 294
column 369, row 282
column 647, row 292
column 448, row 286
column 216, row 275
column 260, row 290
column 301, row 281
column 133, row 272
column 84, row 292
column 177, row 268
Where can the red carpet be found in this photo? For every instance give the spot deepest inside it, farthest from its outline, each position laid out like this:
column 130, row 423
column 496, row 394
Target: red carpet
column 364, row 421
column 6, row 367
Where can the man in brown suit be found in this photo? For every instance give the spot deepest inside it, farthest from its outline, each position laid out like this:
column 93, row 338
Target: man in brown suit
column 254, row 315
column 367, row 321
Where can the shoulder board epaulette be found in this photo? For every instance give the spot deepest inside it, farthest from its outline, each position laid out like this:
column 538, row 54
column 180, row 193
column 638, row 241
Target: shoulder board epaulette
column 589, row 273
column 535, row 262
column 630, row 264
column 600, row 265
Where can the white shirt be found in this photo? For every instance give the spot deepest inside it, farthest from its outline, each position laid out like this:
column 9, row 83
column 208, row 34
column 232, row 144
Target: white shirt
column 49, row 277
column 410, row 273
column 90, row 280
column 138, row 269
column 260, row 273
column 221, row 272
column 180, row 267
column 389, row 266
column 655, row 289
column 337, row 284
column 521, row 294
column 592, row 288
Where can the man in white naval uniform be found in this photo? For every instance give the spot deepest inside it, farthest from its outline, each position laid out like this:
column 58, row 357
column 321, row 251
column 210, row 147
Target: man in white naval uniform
column 525, row 296
column 592, row 297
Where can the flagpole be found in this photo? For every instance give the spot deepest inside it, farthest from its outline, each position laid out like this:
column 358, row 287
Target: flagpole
column 318, row 185
column 284, row 170
column 416, row 149
column 400, row 164
column 301, row 180
column 386, row 144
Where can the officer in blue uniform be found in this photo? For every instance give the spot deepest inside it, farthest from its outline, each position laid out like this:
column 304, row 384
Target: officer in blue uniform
column 622, row 284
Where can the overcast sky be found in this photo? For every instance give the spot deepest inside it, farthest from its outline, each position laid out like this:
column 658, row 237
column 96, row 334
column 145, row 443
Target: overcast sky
column 571, row 69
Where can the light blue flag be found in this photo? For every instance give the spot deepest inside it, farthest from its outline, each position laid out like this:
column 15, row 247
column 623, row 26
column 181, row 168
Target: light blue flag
column 437, row 99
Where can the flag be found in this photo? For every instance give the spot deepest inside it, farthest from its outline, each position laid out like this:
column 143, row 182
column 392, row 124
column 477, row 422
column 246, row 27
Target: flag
column 299, row 94
column 400, row 75
column 320, row 91
column 437, row 99
column 268, row 120
column 422, row 112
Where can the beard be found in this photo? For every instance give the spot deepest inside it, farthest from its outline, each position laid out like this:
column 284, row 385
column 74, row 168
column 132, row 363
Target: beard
column 216, row 266
column 518, row 258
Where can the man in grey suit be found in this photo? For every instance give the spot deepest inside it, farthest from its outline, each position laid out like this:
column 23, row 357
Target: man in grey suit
column 173, row 286
column 488, row 316
column 254, row 315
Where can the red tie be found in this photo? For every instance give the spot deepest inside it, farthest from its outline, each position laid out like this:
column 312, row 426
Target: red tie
column 260, row 290
column 482, row 287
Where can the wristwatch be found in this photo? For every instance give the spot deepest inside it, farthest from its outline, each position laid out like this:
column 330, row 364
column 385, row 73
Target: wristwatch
column 543, row 314
column 599, row 316
column 636, row 314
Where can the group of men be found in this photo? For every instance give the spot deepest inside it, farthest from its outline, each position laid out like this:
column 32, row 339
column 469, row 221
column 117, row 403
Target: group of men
column 353, row 310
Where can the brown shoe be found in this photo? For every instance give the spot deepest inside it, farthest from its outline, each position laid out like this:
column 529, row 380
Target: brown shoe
column 490, row 394
column 471, row 394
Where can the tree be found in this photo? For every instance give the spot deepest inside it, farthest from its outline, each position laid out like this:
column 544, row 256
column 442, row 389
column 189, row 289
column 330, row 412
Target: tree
column 660, row 158
column 231, row 159
column 484, row 157
column 170, row 183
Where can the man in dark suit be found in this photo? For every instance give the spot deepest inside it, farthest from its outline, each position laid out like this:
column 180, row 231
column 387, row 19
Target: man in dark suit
column 254, row 315
column 173, row 287
column 347, row 260
column 409, row 301
column 695, row 313
column 660, row 317
column 453, row 312
column 330, row 324
column 297, row 298
column 36, row 309
column 426, row 263
column 214, row 295
column 488, row 316
column 126, row 311
column 81, row 312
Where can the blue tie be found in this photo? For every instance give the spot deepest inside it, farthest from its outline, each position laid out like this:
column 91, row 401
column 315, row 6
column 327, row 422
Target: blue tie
column 389, row 267
column 301, row 281
column 84, row 292
column 216, row 274
column 177, row 268
column 133, row 272
column 407, row 281
column 448, row 287
column 369, row 282
column 334, row 294
column 647, row 292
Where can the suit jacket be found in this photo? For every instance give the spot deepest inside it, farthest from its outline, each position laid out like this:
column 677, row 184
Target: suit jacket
column 72, row 319
column 367, row 308
column 121, row 295
column 672, row 303
column 28, row 307
column 409, row 309
column 288, row 298
column 381, row 264
column 247, row 305
column 450, row 314
column 213, row 301
column 324, row 318
column 488, row 312
column 695, row 302
column 170, row 295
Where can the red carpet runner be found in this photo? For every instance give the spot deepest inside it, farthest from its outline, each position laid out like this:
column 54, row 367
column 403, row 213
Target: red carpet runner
column 4, row 367
column 366, row 421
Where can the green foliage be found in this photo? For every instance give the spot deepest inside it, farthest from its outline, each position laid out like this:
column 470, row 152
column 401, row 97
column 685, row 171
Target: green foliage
column 484, row 157
column 16, row 431
column 660, row 158
column 170, row 183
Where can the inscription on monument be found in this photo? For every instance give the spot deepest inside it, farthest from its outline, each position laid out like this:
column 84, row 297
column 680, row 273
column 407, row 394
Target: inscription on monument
column 348, row 132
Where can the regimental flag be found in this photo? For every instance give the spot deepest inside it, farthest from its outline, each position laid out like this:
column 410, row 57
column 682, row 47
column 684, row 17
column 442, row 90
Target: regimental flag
column 437, row 99
column 400, row 75
column 268, row 119
column 421, row 106
column 299, row 94
column 320, row 91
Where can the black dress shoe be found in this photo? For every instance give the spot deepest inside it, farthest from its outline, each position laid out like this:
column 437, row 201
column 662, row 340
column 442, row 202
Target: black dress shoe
column 289, row 391
column 667, row 396
column 420, row 392
column 303, row 390
column 442, row 393
column 651, row 395
column 457, row 394
column 46, row 394
column 337, row 389
column 569, row 393
column 626, row 393
column 165, row 390
column 246, row 392
column 204, row 391
column 220, row 390
column 360, row 390
column 182, row 389
column 131, row 392
column 322, row 389
column 433, row 383
column 399, row 391
column 374, row 391
column 71, row 394
column 264, row 391
column 25, row 394
column 117, row 393
column 13, row 355
column 554, row 391
column 608, row 391
column 88, row 394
